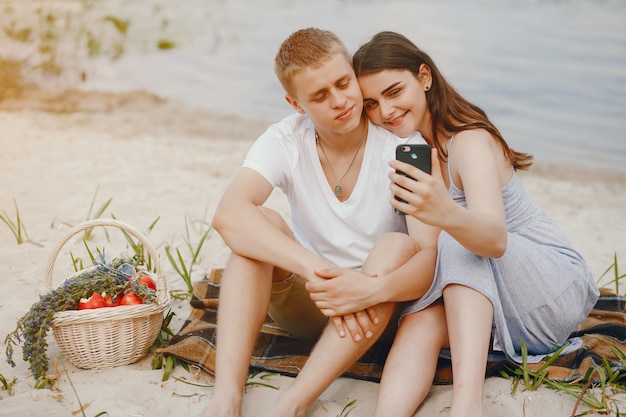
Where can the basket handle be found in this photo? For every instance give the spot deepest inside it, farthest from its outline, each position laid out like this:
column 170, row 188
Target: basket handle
column 161, row 283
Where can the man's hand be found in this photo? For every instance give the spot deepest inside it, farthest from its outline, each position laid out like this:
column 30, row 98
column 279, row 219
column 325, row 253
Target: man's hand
column 358, row 324
column 345, row 296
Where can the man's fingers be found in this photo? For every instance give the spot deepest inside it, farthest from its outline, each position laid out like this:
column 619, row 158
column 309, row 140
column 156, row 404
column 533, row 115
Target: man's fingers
column 372, row 314
column 364, row 323
column 338, row 322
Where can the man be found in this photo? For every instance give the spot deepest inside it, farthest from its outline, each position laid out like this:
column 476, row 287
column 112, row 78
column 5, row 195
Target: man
column 332, row 165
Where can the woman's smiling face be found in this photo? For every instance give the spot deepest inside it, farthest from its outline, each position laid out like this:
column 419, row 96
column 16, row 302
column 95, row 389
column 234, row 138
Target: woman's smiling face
column 395, row 100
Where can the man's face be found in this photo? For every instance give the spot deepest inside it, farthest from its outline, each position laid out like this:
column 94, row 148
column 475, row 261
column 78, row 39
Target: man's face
column 330, row 95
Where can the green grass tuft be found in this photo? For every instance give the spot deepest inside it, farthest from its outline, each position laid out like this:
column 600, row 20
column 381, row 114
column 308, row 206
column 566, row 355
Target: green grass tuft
column 616, row 275
column 17, row 226
column 182, row 267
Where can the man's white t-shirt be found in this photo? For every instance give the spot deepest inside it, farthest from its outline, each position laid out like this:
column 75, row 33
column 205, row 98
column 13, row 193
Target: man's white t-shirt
column 343, row 233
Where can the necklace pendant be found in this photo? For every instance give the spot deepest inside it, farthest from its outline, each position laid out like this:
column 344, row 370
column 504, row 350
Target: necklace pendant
column 338, row 190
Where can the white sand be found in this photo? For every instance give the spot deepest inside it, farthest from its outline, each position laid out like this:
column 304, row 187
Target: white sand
column 160, row 159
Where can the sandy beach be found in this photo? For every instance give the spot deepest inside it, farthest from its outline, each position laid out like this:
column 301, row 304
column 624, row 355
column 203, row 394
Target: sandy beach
column 160, row 159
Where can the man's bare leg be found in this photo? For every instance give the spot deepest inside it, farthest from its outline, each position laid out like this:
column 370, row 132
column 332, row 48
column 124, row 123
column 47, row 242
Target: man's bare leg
column 333, row 355
column 245, row 293
column 244, row 300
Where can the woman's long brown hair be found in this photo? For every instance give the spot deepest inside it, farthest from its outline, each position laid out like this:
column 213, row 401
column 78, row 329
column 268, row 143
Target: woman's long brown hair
column 450, row 112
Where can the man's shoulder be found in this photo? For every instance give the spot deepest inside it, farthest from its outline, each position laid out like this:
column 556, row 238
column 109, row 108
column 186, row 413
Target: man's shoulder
column 292, row 125
column 287, row 135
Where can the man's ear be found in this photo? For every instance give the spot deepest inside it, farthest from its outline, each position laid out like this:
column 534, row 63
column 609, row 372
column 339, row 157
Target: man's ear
column 294, row 103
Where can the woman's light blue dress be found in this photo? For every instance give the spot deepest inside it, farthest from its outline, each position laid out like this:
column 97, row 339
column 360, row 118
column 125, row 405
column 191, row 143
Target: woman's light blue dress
column 541, row 288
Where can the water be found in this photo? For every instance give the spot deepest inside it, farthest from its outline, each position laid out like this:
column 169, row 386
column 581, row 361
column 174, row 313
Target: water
column 550, row 74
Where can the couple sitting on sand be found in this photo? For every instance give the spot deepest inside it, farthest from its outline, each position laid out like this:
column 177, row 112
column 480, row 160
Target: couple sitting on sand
column 473, row 266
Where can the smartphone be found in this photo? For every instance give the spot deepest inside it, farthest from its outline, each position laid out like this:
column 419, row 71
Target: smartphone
column 416, row 155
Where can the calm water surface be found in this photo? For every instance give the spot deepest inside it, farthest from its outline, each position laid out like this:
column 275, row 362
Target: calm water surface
column 551, row 74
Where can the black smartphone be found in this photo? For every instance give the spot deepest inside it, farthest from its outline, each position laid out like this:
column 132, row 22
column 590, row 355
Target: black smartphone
column 416, row 155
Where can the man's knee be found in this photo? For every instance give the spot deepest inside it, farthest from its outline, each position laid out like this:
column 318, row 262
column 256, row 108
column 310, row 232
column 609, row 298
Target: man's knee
column 397, row 241
column 390, row 316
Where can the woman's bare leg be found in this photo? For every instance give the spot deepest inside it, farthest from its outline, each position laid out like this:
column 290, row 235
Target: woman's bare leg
column 412, row 362
column 469, row 316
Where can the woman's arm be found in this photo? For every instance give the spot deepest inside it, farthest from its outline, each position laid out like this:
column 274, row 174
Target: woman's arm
column 478, row 167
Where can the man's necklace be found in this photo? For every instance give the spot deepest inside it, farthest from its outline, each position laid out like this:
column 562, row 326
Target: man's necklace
column 338, row 187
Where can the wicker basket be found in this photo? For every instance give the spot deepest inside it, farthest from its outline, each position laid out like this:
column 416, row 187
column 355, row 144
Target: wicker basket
column 108, row 337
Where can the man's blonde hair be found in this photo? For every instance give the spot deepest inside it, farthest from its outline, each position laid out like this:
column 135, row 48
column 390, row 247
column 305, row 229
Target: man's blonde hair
column 306, row 48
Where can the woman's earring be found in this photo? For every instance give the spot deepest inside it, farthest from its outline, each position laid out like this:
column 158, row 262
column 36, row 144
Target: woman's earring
column 427, row 88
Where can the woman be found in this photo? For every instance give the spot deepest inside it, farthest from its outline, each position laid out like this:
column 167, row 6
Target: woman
column 506, row 274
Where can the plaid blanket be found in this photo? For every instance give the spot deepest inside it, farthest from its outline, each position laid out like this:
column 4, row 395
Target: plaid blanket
column 601, row 336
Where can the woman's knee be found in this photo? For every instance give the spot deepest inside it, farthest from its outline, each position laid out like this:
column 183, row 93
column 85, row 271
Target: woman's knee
column 429, row 324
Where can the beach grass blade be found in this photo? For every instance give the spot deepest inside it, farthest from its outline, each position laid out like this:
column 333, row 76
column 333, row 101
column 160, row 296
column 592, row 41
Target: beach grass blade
column 82, row 407
column 184, row 381
column 136, row 246
column 347, row 409
column 88, row 232
column 605, row 377
column 7, row 385
column 17, row 227
column 616, row 275
column 257, row 374
column 161, row 361
column 176, row 259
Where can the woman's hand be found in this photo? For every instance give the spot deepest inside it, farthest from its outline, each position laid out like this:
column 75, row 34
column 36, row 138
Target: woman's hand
column 425, row 196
